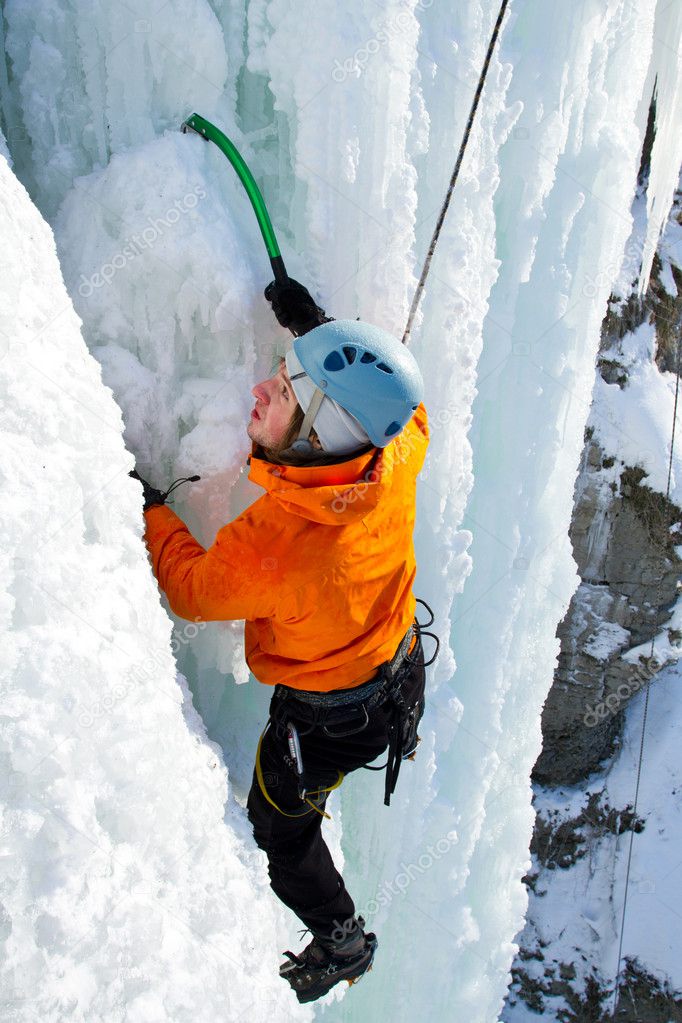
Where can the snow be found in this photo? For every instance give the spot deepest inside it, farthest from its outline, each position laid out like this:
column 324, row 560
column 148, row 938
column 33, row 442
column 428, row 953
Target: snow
column 353, row 147
column 594, row 884
column 667, row 280
column 636, row 420
column 608, row 638
column 663, row 650
column 655, row 893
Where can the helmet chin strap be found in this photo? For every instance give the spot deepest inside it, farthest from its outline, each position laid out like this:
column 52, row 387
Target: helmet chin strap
column 302, row 443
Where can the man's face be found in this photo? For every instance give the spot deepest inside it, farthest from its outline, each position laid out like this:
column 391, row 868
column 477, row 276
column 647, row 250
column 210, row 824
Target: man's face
column 275, row 405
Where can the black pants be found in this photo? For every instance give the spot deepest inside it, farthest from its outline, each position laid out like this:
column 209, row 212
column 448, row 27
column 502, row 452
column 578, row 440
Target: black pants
column 302, row 872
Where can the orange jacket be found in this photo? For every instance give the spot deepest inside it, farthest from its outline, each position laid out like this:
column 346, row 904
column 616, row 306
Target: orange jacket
column 321, row 566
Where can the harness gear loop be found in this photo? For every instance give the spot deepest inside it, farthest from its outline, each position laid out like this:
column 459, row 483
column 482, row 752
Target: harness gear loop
column 421, row 631
column 349, row 731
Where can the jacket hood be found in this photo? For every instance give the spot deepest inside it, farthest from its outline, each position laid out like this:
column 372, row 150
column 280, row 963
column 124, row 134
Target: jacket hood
column 332, row 494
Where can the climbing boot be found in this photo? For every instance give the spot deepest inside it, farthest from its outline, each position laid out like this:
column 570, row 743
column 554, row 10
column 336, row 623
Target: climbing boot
column 323, row 963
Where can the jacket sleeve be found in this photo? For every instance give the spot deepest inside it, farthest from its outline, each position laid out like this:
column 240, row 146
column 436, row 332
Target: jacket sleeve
column 225, row 582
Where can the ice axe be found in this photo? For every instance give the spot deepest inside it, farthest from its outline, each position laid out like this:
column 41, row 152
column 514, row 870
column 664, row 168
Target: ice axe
column 210, row 133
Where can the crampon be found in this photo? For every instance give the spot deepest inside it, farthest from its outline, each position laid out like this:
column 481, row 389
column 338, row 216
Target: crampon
column 318, row 969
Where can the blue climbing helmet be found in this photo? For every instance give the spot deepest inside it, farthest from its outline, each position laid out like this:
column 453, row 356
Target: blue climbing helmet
column 367, row 371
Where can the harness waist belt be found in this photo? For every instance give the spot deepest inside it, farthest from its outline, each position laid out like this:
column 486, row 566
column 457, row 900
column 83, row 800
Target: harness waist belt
column 342, row 697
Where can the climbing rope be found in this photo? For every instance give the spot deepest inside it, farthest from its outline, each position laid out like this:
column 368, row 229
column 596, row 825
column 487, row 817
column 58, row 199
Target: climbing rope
column 646, row 694
column 455, row 173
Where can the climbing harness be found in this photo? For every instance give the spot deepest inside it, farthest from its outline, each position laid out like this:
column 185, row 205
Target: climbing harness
column 455, row 173
column 616, row 985
column 349, row 709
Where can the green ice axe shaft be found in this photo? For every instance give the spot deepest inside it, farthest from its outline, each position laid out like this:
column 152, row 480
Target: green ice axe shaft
column 209, row 131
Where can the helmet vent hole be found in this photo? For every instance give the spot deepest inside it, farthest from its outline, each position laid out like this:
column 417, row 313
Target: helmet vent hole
column 350, row 354
column 334, row 362
column 392, row 428
column 368, row 357
column 384, row 367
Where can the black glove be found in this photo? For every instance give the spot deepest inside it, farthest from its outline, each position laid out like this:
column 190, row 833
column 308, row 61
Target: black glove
column 294, row 306
column 152, row 496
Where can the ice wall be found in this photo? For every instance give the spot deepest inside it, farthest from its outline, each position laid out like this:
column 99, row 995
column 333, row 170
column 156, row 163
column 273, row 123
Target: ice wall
column 128, row 887
column 665, row 74
column 351, row 119
column 567, row 179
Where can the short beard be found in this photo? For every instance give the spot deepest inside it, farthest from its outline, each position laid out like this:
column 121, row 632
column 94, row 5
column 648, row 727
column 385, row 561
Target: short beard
column 280, row 454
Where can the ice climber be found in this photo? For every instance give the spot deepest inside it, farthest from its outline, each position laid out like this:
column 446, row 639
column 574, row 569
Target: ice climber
column 321, row 568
